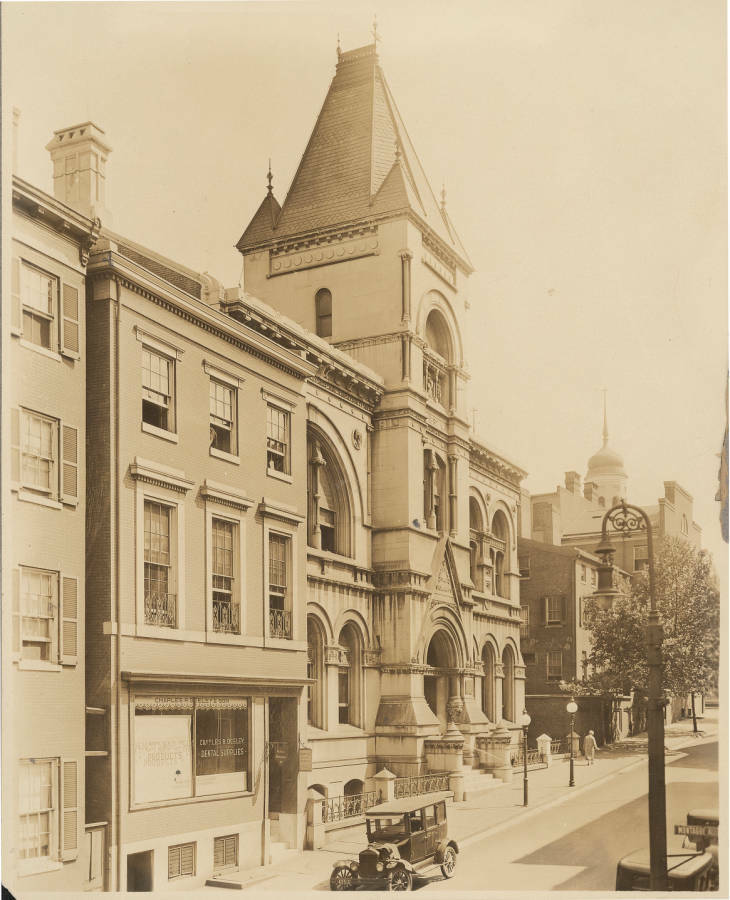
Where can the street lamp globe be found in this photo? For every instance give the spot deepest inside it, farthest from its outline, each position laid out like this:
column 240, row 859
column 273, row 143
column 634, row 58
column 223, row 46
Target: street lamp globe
column 525, row 719
column 572, row 707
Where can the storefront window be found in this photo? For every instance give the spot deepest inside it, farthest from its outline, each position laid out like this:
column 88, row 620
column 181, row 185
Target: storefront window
column 189, row 746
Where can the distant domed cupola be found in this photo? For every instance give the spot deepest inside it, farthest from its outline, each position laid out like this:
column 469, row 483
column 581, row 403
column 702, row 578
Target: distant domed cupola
column 606, row 469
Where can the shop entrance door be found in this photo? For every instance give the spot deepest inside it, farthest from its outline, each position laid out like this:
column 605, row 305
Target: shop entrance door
column 139, row 871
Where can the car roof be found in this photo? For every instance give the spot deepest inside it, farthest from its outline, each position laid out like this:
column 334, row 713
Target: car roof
column 408, row 804
column 638, row 862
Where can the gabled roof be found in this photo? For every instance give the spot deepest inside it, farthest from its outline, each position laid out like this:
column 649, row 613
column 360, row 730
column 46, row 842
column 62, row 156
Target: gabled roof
column 359, row 162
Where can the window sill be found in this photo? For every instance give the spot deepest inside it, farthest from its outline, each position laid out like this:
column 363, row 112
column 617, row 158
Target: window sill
column 227, row 457
column 160, row 432
column 281, row 476
column 274, row 643
column 161, row 804
column 238, row 640
column 29, row 497
column 160, row 632
column 44, row 351
column 37, row 665
column 37, row 866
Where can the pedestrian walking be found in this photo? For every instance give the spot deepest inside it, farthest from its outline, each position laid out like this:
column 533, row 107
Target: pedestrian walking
column 589, row 748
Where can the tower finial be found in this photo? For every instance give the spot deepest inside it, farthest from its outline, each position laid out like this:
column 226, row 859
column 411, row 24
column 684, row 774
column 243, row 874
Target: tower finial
column 397, row 149
column 443, row 197
column 339, row 48
column 605, row 419
column 269, row 178
column 376, row 36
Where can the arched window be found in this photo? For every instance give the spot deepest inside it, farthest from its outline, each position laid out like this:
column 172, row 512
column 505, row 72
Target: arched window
column 489, row 683
column 476, row 536
column 437, row 356
column 316, row 670
column 349, row 677
column 500, row 530
column 438, row 337
column 508, row 685
column 329, row 513
column 601, row 501
column 323, row 311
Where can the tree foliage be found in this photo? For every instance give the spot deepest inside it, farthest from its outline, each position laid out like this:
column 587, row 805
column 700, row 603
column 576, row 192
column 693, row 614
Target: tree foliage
column 688, row 602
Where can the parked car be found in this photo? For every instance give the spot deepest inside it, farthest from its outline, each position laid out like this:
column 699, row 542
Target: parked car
column 405, row 837
column 693, row 867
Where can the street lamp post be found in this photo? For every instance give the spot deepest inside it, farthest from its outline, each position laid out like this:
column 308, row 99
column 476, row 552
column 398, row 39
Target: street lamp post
column 627, row 519
column 572, row 708
column 525, row 725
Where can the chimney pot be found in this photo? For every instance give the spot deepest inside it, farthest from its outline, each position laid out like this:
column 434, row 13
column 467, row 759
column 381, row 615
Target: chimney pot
column 79, row 154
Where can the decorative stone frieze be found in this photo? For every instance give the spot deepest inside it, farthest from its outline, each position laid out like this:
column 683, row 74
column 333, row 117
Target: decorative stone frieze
column 335, row 655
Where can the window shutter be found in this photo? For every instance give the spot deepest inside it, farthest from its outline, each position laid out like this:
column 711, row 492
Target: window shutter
column 173, row 862
column 187, row 859
column 16, row 611
column 232, row 850
column 15, row 445
column 219, row 853
column 69, row 621
column 563, row 610
column 69, row 809
column 70, row 322
column 16, row 310
column 69, row 465
column 545, row 612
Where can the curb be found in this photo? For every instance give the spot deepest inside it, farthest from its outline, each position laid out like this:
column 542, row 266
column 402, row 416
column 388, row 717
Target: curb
column 548, row 804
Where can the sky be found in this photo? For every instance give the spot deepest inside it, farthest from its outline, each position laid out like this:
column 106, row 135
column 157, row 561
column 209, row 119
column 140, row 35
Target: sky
column 582, row 146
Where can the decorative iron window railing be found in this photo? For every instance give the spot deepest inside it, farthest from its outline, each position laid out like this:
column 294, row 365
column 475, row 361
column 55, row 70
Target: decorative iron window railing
column 280, row 623
column 434, row 380
column 160, row 609
column 413, row 785
column 226, row 616
column 335, row 809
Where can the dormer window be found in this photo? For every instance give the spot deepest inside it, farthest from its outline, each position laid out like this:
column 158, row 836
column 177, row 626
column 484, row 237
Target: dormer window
column 323, row 310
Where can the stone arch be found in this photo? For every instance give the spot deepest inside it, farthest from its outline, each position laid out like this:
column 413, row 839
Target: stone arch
column 444, row 655
column 501, row 529
column 353, row 786
column 318, row 418
column 325, row 622
column 477, row 527
column 444, row 617
column 435, row 300
column 319, row 788
column 330, row 496
column 509, row 660
column 360, row 622
column 489, row 658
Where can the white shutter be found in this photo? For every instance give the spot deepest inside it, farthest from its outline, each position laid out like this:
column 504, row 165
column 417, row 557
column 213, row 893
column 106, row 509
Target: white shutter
column 16, row 309
column 70, row 321
column 69, row 464
column 69, row 811
column 69, row 620
column 545, row 609
column 15, row 446
column 16, row 611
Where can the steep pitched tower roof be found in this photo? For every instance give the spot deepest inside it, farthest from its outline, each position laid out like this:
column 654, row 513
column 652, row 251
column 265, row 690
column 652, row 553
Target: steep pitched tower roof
column 359, row 164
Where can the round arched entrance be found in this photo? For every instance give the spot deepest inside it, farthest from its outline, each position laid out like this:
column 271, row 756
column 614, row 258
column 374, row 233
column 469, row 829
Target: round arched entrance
column 442, row 683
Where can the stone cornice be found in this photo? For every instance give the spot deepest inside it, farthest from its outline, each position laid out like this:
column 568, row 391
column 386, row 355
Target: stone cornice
column 224, row 495
column 160, row 476
column 490, row 463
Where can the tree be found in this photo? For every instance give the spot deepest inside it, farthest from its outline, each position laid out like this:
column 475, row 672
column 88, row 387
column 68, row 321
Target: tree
column 688, row 601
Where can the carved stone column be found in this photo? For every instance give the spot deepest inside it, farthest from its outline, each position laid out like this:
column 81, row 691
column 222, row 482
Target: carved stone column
column 431, row 469
column 453, row 497
column 405, row 357
column 498, row 683
column 316, row 463
column 494, row 753
column 405, row 261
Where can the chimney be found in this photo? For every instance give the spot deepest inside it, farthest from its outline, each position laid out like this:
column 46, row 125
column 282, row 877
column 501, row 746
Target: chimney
column 79, row 154
column 572, row 482
column 588, row 489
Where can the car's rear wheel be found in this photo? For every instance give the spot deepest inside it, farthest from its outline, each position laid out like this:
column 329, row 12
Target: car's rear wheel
column 449, row 863
column 342, row 879
column 400, row 880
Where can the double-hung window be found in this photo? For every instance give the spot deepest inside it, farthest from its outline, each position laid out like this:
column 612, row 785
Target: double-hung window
column 48, row 811
column 160, row 600
column 223, row 417
column 158, row 390
column 277, row 439
column 44, row 456
column 226, row 600
column 39, row 614
column 554, row 665
column 39, row 296
column 553, row 610
column 280, row 619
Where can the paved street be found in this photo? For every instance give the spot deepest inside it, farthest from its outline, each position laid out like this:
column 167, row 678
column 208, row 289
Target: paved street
column 576, row 846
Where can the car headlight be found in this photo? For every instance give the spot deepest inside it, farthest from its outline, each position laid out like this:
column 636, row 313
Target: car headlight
column 353, row 867
column 379, row 867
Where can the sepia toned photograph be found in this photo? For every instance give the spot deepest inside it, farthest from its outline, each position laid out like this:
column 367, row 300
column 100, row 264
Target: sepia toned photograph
column 364, row 447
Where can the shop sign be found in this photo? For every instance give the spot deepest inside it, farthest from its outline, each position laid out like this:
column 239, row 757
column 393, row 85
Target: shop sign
column 162, row 758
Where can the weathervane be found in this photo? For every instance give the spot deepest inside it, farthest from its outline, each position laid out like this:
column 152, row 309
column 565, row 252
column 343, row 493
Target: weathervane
column 376, row 36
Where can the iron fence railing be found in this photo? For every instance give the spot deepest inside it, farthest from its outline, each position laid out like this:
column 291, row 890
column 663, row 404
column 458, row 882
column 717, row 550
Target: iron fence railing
column 534, row 759
column 557, row 748
column 413, row 785
column 280, row 623
column 160, row 609
column 335, row 809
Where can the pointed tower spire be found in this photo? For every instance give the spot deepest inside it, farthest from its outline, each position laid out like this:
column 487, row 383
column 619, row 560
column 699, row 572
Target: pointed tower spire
column 605, row 419
column 443, row 197
column 339, row 46
column 270, row 179
column 397, row 150
column 376, row 36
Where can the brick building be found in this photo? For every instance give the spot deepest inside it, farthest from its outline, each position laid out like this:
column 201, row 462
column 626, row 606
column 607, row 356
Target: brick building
column 298, row 563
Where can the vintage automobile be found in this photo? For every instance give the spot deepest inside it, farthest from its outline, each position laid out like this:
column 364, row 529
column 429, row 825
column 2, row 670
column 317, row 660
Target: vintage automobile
column 694, row 867
column 405, row 838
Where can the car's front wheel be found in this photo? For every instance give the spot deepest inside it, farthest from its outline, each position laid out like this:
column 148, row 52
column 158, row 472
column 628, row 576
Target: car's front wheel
column 449, row 863
column 342, row 879
column 400, row 880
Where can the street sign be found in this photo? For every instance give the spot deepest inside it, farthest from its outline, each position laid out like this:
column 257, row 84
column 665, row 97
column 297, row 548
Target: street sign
column 697, row 830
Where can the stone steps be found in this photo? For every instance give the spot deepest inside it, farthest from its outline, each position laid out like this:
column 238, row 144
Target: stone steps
column 476, row 781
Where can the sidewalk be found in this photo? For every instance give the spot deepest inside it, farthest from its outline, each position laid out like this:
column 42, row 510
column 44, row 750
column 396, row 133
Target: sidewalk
column 475, row 818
